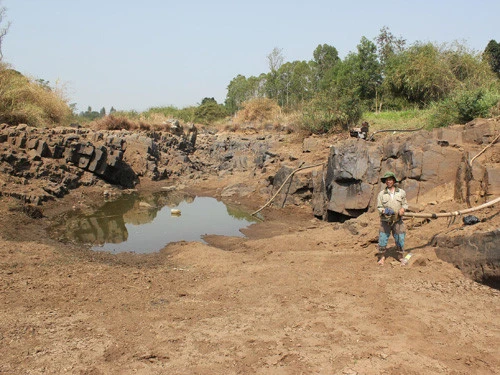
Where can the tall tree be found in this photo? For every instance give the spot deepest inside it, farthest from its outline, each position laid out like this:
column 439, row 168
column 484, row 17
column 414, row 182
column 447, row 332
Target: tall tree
column 237, row 93
column 275, row 60
column 421, row 74
column 3, row 29
column 325, row 56
column 358, row 75
column 369, row 73
column 294, row 83
column 388, row 45
column 492, row 55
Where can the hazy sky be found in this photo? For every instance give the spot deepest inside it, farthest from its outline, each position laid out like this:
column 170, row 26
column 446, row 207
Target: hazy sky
column 140, row 54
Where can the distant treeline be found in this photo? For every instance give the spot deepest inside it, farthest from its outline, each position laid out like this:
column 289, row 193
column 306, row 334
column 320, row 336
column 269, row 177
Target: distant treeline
column 381, row 75
column 384, row 74
column 451, row 83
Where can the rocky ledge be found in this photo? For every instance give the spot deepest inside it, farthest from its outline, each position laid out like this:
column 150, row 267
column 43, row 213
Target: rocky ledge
column 41, row 164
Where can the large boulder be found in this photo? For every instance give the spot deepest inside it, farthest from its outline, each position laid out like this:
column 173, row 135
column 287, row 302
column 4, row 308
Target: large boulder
column 478, row 255
column 422, row 161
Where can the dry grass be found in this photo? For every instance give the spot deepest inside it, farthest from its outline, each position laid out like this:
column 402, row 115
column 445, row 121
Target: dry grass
column 113, row 123
column 120, row 121
column 262, row 113
column 24, row 101
column 495, row 111
column 257, row 111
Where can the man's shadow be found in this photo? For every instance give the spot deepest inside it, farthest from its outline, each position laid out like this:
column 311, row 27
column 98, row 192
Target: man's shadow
column 390, row 252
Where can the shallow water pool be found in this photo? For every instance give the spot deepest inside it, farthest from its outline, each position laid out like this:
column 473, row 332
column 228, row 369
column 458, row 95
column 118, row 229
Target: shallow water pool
column 145, row 224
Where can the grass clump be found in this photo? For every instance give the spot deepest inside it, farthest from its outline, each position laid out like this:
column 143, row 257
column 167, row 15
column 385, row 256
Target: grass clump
column 398, row 120
column 112, row 122
column 133, row 121
column 258, row 111
column 25, row 101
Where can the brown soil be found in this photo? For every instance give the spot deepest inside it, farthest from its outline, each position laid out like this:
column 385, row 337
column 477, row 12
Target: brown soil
column 296, row 296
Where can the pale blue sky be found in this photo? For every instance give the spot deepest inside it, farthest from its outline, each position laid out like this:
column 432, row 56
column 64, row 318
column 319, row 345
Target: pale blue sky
column 139, row 54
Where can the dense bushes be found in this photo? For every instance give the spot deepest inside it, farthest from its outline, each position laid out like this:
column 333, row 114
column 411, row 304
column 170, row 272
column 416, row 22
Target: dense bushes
column 463, row 106
column 209, row 111
column 330, row 113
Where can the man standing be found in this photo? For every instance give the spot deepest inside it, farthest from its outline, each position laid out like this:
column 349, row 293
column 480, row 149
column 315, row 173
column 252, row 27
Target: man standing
column 391, row 205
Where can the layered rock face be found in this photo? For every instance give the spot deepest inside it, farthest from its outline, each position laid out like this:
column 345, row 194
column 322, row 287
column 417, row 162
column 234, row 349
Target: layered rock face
column 422, row 161
column 41, row 164
column 37, row 165
column 46, row 163
column 428, row 164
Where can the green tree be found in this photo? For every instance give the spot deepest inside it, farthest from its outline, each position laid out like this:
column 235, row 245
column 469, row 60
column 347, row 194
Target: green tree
column 325, row 58
column 294, row 83
column 90, row 114
column 302, row 86
column 207, row 100
column 388, row 45
column 368, row 70
column 492, row 55
column 420, row 75
column 358, row 75
column 237, row 92
column 209, row 111
column 275, row 60
column 242, row 89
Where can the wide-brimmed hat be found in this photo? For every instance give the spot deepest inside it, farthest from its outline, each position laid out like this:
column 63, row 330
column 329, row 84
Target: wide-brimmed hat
column 387, row 175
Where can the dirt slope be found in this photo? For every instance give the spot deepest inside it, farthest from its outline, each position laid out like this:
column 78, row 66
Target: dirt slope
column 296, row 296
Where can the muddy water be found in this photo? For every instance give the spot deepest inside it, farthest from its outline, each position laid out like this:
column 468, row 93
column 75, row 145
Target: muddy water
column 145, row 224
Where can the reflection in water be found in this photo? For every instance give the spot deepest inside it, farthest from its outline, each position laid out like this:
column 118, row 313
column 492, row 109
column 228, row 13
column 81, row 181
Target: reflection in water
column 144, row 224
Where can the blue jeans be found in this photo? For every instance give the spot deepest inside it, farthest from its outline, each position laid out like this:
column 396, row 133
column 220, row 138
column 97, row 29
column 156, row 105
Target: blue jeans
column 398, row 231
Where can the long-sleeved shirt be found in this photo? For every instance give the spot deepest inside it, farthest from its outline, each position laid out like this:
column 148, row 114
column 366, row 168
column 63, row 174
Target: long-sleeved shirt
column 395, row 201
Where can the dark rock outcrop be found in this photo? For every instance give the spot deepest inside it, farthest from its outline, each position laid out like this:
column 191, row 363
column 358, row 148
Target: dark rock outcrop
column 58, row 159
column 422, row 161
column 476, row 254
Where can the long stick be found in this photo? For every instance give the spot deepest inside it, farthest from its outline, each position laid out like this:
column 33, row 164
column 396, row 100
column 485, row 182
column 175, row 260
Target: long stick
column 283, row 184
column 454, row 213
column 484, row 149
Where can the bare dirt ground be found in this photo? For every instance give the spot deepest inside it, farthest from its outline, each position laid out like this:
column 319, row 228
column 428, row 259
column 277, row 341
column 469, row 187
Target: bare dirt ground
column 295, row 296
